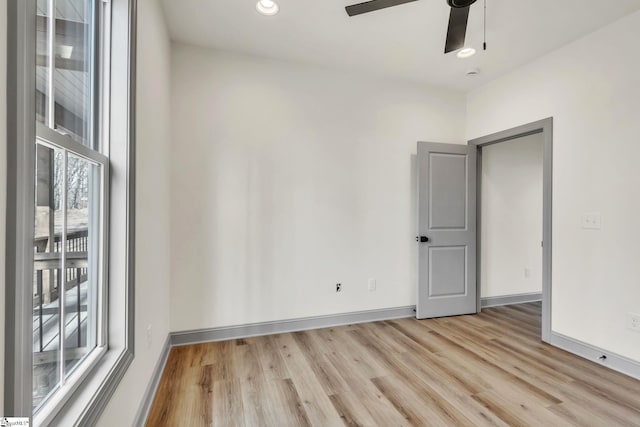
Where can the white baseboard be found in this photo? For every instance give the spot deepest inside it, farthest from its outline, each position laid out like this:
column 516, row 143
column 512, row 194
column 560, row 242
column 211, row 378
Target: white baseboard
column 292, row 325
column 487, row 302
column 590, row 352
column 152, row 388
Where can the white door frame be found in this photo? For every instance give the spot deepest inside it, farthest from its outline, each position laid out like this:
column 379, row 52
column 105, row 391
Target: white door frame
column 545, row 127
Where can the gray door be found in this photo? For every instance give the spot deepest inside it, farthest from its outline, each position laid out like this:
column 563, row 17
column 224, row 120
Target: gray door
column 447, row 230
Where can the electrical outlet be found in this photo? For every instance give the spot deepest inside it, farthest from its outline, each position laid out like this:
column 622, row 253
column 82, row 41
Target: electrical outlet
column 338, row 287
column 634, row 322
column 372, row 285
column 591, row 221
column 527, row 272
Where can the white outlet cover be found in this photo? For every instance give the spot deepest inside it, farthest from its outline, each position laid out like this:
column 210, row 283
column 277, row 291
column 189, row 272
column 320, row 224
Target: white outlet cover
column 591, row 221
column 372, row 285
column 634, row 322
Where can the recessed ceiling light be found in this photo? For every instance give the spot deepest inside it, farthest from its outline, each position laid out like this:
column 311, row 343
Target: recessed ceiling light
column 267, row 7
column 466, row 52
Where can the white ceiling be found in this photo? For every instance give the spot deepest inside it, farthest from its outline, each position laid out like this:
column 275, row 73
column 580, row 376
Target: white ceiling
column 405, row 41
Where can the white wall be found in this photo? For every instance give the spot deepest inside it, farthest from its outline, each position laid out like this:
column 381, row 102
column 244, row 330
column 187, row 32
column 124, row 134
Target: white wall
column 3, row 181
column 287, row 179
column 512, row 217
column 592, row 89
column 152, row 211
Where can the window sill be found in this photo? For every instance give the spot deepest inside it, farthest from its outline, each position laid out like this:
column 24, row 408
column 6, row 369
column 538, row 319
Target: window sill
column 86, row 402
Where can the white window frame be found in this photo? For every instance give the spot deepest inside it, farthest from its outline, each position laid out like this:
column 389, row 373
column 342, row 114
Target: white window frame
column 69, row 382
column 90, row 390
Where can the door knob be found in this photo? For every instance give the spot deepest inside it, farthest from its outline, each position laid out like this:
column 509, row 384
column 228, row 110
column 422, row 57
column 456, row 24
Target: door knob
column 422, row 239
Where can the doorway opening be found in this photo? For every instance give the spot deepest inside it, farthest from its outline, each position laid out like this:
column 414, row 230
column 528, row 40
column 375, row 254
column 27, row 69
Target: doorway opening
column 544, row 130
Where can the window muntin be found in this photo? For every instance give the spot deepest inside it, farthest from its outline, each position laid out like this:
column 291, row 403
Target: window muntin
column 69, row 305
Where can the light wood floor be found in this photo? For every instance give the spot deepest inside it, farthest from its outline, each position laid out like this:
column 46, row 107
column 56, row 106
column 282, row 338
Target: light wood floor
column 487, row 369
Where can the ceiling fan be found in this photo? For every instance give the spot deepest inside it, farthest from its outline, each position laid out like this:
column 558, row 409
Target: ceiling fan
column 457, row 18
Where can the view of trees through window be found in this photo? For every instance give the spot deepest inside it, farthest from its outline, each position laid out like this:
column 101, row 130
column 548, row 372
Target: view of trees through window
column 78, row 182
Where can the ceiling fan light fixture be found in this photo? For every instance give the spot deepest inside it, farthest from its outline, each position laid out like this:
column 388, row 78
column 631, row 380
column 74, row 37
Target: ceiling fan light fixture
column 267, row 7
column 466, row 52
column 64, row 51
column 460, row 3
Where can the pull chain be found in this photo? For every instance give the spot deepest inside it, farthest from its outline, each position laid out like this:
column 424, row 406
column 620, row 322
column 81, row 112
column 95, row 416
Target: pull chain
column 484, row 43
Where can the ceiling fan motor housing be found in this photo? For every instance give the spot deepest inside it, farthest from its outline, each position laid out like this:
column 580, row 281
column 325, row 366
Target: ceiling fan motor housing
column 460, row 3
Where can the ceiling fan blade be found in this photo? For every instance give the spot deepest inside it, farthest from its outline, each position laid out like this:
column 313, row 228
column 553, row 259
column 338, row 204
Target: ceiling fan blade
column 457, row 28
column 370, row 6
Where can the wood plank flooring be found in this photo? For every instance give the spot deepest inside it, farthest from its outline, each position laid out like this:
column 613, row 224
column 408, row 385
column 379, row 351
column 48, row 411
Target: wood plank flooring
column 489, row 369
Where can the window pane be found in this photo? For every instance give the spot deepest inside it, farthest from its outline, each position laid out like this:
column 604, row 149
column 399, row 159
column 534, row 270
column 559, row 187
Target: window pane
column 42, row 61
column 70, row 197
column 73, row 69
column 82, row 256
column 65, row 67
column 47, row 273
